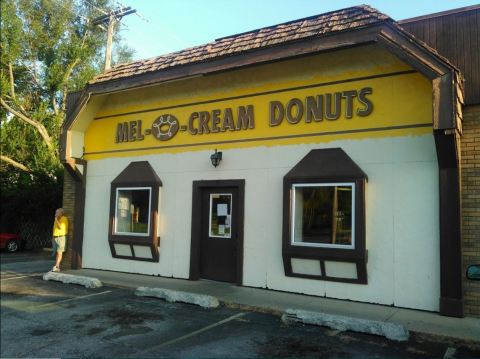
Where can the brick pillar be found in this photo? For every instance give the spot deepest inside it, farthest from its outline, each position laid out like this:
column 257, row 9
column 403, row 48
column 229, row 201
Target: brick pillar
column 470, row 164
column 69, row 208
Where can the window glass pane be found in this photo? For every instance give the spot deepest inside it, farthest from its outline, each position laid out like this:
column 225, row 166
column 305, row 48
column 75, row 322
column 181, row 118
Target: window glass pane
column 220, row 223
column 323, row 215
column 132, row 211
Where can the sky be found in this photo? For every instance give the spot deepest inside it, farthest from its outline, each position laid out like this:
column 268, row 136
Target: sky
column 164, row 26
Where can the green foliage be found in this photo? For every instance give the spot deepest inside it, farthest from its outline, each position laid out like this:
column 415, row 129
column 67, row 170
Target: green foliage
column 29, row 198
column 48, row 48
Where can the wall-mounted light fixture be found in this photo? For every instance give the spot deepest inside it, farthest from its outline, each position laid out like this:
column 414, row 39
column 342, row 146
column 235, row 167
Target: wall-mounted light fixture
column 216, row 158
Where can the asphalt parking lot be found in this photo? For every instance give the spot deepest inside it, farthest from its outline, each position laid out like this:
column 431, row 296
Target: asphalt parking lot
column 51, row 319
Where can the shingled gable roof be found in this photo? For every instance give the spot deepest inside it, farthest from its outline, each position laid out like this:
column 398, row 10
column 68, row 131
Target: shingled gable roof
column 310, row 27
column 329, row 31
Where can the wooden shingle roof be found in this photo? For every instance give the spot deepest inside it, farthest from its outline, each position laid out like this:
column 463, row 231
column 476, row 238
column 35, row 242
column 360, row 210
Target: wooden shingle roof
column 310, row 27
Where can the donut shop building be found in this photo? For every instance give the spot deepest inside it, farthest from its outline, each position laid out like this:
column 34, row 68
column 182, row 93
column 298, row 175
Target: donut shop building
column 317, row 156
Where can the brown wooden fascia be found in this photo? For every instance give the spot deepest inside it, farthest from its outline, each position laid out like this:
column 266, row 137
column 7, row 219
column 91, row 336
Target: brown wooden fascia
column 254, row 57
column 70, row 165
column 66, row 137
column 447, row 89
column 405, row 54
column 70, row 119
column 417, row 49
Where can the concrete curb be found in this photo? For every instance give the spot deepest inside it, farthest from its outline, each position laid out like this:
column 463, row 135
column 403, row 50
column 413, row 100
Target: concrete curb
column 339, row 322
column 87, row 282
column 202, row 300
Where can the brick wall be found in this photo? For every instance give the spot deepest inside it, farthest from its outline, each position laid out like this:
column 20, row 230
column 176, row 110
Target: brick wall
column 470, row 167
column 68, row 206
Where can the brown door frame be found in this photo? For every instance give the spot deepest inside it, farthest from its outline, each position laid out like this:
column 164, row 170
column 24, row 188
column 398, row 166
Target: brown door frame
column 198, row 187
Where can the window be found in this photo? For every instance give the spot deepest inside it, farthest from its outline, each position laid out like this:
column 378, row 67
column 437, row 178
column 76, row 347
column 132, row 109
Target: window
column 133, row 222
column 324, row 218
column 323, row 215
column 132, row 211
column 220, row 217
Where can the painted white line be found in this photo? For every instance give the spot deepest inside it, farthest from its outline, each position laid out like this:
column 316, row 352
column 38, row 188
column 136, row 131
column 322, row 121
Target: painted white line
column 67, row 300
column 10, row 272
column 19, row 273
column 204, row 329
column 450, row 353
column 22, row 276
column 332, row 333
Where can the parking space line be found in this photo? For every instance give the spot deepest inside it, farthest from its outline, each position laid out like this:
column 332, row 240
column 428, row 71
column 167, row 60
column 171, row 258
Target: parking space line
column 9, row 272
column 450, row 353
column 67, row 300
column 332, row 333
column 199, row 331
column 21, row 276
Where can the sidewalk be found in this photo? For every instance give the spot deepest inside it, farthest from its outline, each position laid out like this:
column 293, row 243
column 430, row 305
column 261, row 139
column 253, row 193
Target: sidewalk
column 278, row 302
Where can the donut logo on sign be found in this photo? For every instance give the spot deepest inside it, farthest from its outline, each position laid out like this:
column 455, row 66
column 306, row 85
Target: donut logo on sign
column 165, row 127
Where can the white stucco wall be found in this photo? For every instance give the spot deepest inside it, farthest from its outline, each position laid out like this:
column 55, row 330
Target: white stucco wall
column 77, row 144
column 402, row 229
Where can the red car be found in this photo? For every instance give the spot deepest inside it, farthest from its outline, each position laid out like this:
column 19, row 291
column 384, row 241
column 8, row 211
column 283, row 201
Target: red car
column 10, row 242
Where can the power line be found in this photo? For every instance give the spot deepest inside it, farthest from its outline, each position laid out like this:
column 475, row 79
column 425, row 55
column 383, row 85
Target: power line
column 96, row 7
column 59, row 3
column 141, row 16
column 115, row 14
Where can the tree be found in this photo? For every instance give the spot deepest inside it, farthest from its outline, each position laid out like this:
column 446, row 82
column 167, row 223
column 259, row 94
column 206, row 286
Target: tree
column 48, row 48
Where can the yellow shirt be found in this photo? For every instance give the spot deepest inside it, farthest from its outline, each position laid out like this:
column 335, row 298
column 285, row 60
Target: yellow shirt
column 60, row 226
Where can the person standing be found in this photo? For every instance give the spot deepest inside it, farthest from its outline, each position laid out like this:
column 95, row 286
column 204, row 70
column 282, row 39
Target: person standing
column 60, row 231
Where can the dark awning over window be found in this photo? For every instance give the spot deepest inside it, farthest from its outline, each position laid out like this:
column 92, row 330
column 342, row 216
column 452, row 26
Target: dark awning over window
column 136, row 174
column 330, row 164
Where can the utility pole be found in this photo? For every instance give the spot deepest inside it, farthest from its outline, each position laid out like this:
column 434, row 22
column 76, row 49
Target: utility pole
column 111, row 19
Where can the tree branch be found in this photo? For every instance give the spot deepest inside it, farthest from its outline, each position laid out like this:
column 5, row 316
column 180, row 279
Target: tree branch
column 14, row 163
column 13, row 96
column 12, row 87
column 39, row 126
column 69, row 70
column 34, row 75
column 54, row 104
column 65, row 78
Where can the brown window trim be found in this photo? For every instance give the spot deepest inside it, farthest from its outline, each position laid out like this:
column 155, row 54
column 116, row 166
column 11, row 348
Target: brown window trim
column 136, row 174
column 326, row 166
column 153, row 249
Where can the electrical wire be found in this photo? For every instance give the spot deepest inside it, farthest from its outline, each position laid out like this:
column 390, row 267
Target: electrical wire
column 96, row 7
column 61, row 4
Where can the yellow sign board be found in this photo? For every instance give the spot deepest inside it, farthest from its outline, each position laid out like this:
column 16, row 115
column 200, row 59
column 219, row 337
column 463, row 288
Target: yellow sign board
column 395, row 104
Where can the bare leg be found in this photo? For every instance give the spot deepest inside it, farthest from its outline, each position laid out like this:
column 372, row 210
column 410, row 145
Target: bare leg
column 59, row 259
